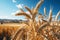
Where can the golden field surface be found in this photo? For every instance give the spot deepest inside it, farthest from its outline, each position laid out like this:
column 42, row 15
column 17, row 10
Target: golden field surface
column 9, row 29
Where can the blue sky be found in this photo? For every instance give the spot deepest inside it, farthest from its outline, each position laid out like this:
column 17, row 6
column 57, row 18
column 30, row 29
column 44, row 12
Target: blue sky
column 9, row 7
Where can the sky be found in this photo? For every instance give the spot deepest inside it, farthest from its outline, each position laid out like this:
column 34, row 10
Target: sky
column 9, row 7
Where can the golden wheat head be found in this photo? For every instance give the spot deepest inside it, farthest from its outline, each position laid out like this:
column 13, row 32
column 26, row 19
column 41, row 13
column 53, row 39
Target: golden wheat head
column 44, row 11
column 39, row 4
column 56, row 18
column 23, row 13
column 28, row 9
column 50, row 15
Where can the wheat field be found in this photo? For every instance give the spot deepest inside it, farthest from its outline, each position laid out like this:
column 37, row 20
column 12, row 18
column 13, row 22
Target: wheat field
column 34, row 29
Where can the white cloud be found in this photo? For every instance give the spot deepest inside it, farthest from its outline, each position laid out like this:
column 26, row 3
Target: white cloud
column 14, row 1
column 8, row 17
column 3, row 17
column 19, row 6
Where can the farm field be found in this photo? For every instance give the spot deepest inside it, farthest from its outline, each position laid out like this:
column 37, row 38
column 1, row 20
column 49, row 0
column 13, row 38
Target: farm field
column 11, row 24
column 11, row 28
column 37, row 26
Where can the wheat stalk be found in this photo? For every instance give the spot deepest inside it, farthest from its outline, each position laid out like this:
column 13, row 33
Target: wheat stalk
column 4, row 38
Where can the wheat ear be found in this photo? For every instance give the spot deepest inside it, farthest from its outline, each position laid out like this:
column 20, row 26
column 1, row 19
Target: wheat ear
column 56, row 18
column 39, row 4
column 44, row 11
column 50, row 15
column 28, row 10
column 23, row 13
